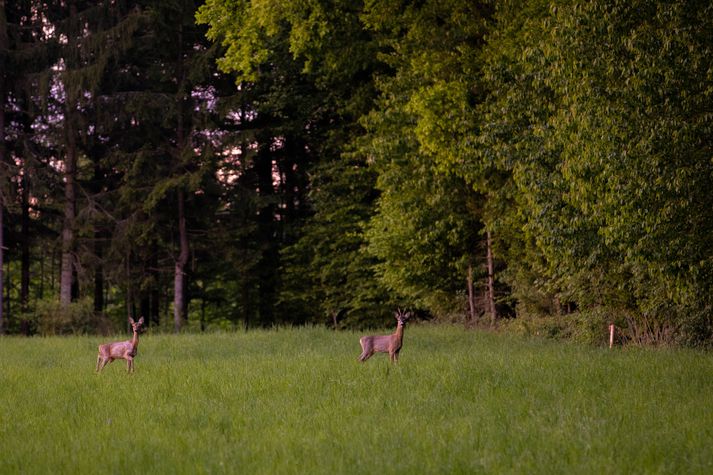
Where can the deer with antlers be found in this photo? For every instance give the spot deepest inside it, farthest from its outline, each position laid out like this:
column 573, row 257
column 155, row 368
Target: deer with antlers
column 121, row 350
column 390, row 344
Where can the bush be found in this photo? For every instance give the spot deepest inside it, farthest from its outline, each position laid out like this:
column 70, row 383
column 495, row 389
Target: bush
column 588, row 327
column 697, row 328
column 665, row 325
column 538, row 326
column 50, row 318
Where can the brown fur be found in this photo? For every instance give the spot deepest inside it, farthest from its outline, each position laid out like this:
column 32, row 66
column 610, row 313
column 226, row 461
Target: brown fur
column 121, row 350
column 390, row 344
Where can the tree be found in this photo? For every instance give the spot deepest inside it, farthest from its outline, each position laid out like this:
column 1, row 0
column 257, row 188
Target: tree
column 160, row 98
column 642, row 169
column 596, row 112
column 27, row 58
column 513, row 119
column 329, row 274
column 420, row 138
column 104, row 93
column 325, row 272
column 3, row 173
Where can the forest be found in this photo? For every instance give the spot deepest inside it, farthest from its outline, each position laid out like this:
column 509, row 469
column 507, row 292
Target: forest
column 538, row 166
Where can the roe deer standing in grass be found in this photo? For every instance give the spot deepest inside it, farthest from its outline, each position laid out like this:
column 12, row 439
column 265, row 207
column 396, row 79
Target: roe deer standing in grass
column 121, row 350
column 390, row 344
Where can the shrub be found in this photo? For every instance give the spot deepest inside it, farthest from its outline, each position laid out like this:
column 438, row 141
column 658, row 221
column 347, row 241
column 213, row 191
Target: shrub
column 51, row 318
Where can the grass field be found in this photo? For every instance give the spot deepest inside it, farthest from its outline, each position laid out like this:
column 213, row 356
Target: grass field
column 297, row 401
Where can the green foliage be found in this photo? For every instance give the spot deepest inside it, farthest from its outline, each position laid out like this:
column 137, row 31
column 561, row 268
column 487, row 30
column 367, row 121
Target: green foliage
column 372, row 145
column 266, row 402
column 590, row 327
column 325, row 37
column 595, row 111
column 328, row 269
column 323, row 49
column 433, row 49
column 425, row 231
column 51, row 318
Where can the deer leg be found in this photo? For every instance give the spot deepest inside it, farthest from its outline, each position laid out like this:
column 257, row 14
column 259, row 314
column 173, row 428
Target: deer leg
column 365, row 350
column 365, row 355
column 101, row 362
column 129, row 364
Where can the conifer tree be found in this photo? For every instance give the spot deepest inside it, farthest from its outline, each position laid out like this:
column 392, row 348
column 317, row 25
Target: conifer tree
column 4, row 47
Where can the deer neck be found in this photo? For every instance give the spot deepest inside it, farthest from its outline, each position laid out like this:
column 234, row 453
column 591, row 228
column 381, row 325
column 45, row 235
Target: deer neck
column 399, row 333
column 135, row 339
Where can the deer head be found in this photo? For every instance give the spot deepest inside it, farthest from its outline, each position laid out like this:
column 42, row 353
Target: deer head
column 402, row 317
column 136, row 326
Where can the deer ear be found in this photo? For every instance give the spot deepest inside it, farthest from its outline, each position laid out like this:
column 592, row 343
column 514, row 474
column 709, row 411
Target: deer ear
column 131, row 320
column 141, row 321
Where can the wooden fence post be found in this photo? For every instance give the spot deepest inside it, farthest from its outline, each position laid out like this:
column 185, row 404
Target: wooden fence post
column 611, row 335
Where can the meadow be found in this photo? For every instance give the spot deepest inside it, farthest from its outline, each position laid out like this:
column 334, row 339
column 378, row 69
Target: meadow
column 297, row 401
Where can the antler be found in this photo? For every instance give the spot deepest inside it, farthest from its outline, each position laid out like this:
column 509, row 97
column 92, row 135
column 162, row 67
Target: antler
column 402, row 314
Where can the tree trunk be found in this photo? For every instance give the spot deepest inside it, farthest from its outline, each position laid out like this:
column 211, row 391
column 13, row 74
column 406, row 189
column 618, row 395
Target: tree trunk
column 154, row 293
column 25, row 257
column 99, row 273
column 2, row 255
column 67, row 266
column 179, row 279
column 53, row 268
column 145, row 305
column 70, row 166
column 3, row 159
column 179, row 289
column 471, row 295
column 41, row 288
column 129, row 293
column 246, row 305
column 25, row 246
column 268, row 263
column 99, row 238
column 491, row 279
column 8, row 306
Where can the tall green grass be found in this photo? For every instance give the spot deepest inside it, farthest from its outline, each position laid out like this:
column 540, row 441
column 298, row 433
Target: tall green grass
column 297, row 401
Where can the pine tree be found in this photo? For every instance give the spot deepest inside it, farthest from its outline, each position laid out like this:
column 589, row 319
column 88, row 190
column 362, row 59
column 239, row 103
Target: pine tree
column 4, row 47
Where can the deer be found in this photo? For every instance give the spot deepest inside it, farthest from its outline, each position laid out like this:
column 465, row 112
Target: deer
column 121, row 350
column 390, row 344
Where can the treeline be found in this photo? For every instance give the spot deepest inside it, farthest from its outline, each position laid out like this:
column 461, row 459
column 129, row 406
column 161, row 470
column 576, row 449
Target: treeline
column 473, row 160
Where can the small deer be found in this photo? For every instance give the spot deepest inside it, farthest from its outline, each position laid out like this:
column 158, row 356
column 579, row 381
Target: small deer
column 390, row 344
column 121, row 350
